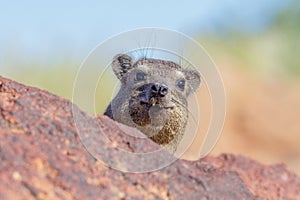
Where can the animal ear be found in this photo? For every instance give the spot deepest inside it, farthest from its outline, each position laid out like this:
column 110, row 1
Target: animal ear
column 193, row 80
column 121, row 64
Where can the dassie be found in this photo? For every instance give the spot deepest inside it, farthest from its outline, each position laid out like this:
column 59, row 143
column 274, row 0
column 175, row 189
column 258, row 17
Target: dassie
column 153, row 97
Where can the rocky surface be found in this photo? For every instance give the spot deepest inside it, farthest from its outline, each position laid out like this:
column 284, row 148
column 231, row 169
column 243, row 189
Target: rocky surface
column 42, row 157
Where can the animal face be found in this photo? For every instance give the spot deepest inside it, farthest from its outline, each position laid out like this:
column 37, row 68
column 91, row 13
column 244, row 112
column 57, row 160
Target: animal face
column 157, row 88
column 165, row 76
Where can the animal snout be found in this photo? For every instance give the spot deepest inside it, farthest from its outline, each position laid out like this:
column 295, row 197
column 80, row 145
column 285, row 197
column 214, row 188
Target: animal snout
column 159, row 89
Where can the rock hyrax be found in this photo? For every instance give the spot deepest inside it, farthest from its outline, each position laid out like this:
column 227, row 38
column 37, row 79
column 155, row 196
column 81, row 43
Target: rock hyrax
column 153, row 97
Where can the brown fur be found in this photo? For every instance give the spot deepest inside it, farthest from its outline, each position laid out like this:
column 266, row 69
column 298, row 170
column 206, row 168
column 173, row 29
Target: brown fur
column 165, row 122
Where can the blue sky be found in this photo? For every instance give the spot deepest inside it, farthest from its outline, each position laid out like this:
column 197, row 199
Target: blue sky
column 55, row 29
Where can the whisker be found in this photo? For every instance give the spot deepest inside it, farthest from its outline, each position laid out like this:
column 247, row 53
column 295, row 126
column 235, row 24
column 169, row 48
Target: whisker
column 139, row 52
column 148, row 42
column 184, row 106
column 152, row 50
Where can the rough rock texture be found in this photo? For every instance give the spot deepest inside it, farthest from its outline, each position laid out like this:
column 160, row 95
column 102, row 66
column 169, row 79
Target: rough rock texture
column 42, row 157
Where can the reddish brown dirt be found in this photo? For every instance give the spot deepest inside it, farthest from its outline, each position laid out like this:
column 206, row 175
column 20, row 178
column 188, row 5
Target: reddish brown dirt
column 262, row 118
column 41, row 157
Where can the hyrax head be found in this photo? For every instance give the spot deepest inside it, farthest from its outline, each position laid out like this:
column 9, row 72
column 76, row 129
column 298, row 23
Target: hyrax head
column 155, row 93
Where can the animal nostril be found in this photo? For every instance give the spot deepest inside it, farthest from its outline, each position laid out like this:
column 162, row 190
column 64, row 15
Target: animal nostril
column 155, row 88
column 163, row 90
column 159, row 89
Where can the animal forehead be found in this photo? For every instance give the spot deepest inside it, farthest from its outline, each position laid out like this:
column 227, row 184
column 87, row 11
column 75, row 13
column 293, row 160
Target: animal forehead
column 158, row 63
column 156, row 71
column 162, row 68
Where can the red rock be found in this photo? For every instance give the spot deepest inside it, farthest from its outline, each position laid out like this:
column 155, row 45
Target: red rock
column 42, row 157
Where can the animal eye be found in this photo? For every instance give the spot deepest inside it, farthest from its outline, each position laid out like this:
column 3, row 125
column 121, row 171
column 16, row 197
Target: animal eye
column 181, row 84
column 140, row 76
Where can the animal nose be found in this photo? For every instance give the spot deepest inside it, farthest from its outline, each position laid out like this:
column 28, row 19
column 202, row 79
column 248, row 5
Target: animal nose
column 159, row 89
column 163, row 90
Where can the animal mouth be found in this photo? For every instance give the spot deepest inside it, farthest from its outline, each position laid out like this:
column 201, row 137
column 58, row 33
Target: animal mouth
column 153, row 102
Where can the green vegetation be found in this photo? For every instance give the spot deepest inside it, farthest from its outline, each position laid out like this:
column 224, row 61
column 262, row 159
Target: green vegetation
column 275, row 49
column 57, row 79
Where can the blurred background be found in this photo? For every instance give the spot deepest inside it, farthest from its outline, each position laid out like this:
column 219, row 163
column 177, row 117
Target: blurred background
column 255, row 44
